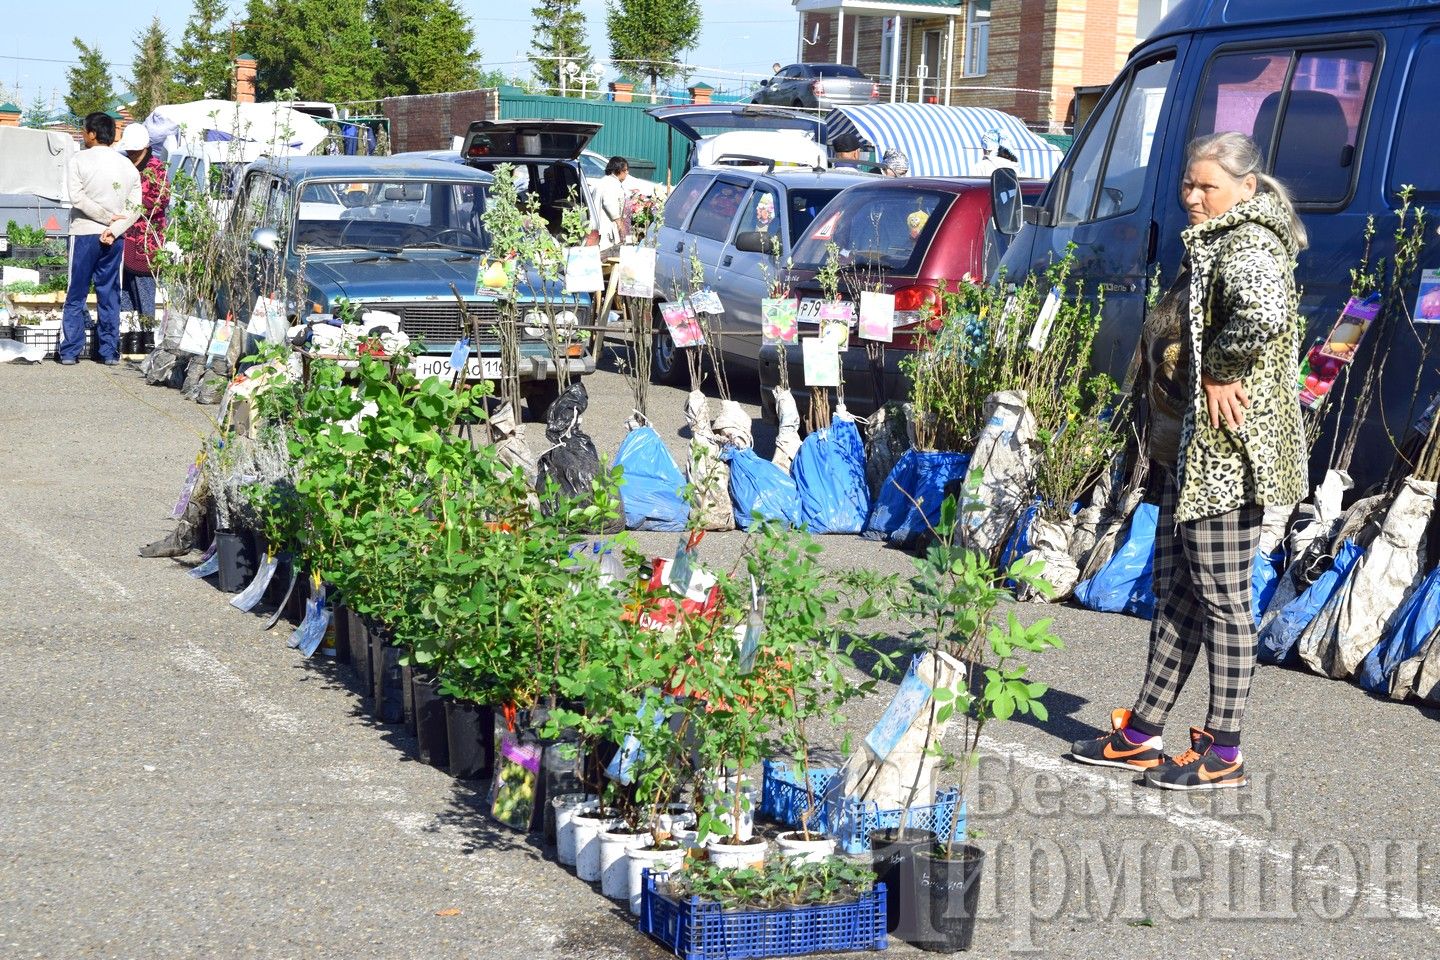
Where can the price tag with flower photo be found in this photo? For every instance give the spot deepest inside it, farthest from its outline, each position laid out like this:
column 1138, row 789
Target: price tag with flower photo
column 637, row 271
column 877, row 316
column 822, row 362
column 779, row 320
column 582, row 270
column 706, row 301
column 685, row 330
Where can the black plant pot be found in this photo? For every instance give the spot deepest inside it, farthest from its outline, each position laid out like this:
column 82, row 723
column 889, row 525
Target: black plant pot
column 407, row 690
column 127, row 342
column 895, row 858
column 295, row 605
column 237, row 560
column 953, row 891
column 470, row 730
column 386, row 681
column 274, row 594
column 92, row 340
column 144, row 341
column 340, row 623
column 431, row 734
column 360, row 652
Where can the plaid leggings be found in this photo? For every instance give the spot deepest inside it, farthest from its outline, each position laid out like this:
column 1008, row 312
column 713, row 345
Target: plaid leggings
column 1202, row 599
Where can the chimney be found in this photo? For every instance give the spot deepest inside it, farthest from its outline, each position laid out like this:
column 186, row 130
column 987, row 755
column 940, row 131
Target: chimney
column 244, row 79
column 9, row 115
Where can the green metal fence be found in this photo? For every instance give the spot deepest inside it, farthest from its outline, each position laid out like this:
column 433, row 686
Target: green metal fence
column 626, row 131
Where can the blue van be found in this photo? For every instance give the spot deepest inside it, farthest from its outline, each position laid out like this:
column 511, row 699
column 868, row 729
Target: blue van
column 1342, row 98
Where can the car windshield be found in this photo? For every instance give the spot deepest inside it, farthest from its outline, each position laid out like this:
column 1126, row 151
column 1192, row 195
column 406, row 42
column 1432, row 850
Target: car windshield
column 875, row 228
column 390, row 215
column 591, row 165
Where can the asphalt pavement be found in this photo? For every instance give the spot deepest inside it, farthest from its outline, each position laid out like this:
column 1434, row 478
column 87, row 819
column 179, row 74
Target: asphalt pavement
column 175, row 782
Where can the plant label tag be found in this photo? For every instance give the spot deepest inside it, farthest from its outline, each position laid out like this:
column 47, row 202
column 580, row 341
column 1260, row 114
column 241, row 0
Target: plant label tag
column 583, row 273
column 1040, row 333
column 637, row 271
column 909, row 699
column 220, row 339
column 1007, row 316
column 311, row 632
column 208, row 566
column 187, row 490
column 877, row 316
column 685, row 330
column 247, row 598
column 779, row 320
column 750, row 639
column 822, row 362
column 1427, row 299
column 706, row 301
column 460, row 355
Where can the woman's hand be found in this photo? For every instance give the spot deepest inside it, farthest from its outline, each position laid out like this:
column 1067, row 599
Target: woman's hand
column 1228, row 400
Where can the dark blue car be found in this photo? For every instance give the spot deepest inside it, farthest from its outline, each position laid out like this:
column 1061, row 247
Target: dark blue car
column 398, row 236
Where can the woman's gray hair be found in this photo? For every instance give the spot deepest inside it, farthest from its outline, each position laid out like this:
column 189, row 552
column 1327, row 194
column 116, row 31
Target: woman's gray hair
column 1240, row 156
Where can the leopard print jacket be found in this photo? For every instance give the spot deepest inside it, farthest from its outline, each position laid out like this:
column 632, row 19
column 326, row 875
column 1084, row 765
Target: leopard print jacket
column 1244, row 325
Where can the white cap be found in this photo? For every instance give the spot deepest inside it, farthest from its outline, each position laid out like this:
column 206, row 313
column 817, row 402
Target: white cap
column 134, row 137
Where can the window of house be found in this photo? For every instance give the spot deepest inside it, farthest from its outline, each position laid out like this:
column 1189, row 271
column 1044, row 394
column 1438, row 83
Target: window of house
column 977, row 38
column 1303, row 107
column 1149, row 15
column 1108, row 175
column 887, row 44
column 1414, row 156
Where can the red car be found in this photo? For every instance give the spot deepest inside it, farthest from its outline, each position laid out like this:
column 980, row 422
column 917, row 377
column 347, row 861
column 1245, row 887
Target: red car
column 908, row 237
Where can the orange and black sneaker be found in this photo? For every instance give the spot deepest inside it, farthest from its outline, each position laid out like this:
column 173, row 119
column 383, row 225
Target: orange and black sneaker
column 1115, row 749
column 1199, row 768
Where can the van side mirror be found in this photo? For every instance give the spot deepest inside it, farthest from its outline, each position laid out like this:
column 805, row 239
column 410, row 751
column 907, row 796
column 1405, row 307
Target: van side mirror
column 1007, row 207
column 755, row 241
column 266, row 238
column 765, row 82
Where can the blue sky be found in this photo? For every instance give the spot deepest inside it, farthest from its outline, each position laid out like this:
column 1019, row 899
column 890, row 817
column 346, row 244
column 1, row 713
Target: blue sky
column 739, row 36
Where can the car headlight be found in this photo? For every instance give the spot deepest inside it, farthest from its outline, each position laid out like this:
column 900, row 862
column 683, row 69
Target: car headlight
column 536, row 323
column 566, row 318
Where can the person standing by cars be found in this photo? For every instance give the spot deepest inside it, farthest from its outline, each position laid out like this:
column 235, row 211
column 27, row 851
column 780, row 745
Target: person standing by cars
column 1225, row 439
column 147, row 236
column 105, row 193
column 895, row 163
column 610, row 195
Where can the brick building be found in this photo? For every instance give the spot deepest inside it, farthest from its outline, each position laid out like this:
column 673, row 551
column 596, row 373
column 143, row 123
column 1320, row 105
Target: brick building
column 1025, row 57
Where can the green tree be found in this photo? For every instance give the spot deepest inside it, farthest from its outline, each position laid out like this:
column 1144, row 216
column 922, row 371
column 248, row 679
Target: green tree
column 90, row 86
column 152, row 72
column 423, row 46
column 202, row 58
column 559, row 34
column 648, row 36
column 37, row 114
column 323, row 49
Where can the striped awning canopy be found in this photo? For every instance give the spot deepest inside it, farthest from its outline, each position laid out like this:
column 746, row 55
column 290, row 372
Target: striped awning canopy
column 942, row 141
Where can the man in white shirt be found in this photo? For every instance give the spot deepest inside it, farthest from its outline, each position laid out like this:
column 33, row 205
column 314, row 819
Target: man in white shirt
column 105, row 198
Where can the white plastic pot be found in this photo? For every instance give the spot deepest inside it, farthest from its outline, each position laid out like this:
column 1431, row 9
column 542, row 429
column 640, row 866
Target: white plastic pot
column 567, row 805
column 722, row 796
column 614, row 867
column 588, row 826
column 794, row 846
column 676, row 817
column 736, row 856
column 659, row 861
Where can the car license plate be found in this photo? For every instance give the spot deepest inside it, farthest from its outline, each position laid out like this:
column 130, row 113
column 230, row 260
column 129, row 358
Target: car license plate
column 809, row 311
column 478, row 368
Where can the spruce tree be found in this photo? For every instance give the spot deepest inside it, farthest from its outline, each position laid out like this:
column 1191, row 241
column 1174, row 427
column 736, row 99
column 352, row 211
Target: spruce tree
column 90, row 87
column 559, row 35
column 202, row 58
column 322, row 49
column 151, row 77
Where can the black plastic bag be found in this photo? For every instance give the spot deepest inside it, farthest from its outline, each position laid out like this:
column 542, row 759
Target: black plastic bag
column 564, row 414
column 572, row 463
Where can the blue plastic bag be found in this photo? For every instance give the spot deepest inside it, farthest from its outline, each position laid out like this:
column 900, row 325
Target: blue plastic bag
column 829, row 472
column 1264, row 578
column 651, row 483
column 927, row 476
column 759, row 489
column 1125, row 583
column 1413, row 625
column 1278, row 639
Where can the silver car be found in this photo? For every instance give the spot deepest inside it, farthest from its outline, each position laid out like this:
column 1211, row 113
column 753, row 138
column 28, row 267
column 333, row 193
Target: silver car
column 818, row 86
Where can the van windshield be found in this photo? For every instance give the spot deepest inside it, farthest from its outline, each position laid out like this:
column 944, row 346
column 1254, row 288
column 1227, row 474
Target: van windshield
column 875, row 228
column 361, row 214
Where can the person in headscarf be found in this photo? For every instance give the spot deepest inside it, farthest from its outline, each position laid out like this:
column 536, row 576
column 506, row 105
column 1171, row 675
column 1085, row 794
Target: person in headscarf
column 895, row 163
column 145, row 238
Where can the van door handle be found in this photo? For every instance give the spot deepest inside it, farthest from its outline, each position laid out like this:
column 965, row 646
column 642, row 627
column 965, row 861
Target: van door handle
column 680, row 246
column 726, row 261
column 1153, row 242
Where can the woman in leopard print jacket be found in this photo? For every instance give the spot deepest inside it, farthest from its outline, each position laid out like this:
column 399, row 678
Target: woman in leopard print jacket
column 1220, row 353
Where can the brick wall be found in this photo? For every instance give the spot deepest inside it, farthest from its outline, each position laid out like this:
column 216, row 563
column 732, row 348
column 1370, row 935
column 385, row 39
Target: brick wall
column 427, row 122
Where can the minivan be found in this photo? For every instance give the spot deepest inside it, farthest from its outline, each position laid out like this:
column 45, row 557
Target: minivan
column 1342, row 98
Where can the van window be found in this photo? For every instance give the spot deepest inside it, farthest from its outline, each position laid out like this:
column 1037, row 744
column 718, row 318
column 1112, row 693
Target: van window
column 1127, row 128
column 1414, row 154
column 1304, row 109
column 683, row 200
column 717, row 211
column 762, row 213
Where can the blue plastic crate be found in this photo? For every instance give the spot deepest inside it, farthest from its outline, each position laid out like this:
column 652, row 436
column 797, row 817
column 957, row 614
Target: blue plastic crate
column 851, row 821
column 783, row 797
column 702, row 930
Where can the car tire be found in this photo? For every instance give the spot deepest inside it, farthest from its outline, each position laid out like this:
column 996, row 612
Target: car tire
column 667, row 366
column 539, row 395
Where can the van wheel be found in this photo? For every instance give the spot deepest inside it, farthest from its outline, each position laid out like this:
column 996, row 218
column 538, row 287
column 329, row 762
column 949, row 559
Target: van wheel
column 667, row 366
